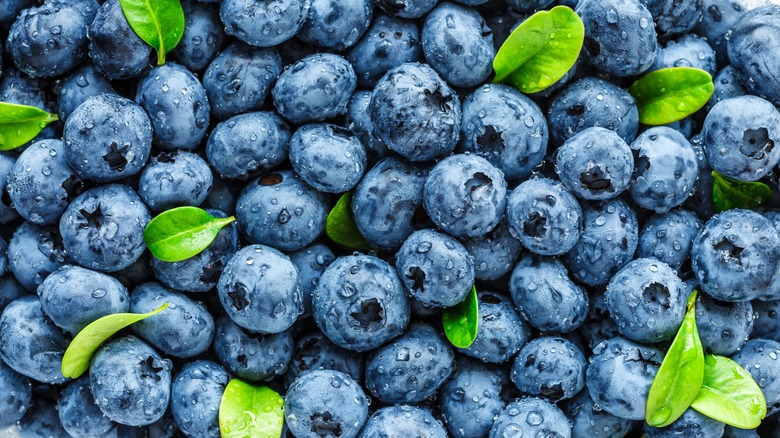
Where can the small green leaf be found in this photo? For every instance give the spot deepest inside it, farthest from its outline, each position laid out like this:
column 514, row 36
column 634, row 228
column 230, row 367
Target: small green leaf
column 249, row 411
column 729, row 394
column 183, row 232
column 340, row 226
column 541, row 50
column 79, row 353
column 461, row 322
column 680, row 375
column 730, row 193
column 160, row 23
column 671, row 94
column 21, row 123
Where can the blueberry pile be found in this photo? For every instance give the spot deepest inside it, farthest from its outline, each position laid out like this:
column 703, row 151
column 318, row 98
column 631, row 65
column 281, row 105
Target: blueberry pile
column 584, row 231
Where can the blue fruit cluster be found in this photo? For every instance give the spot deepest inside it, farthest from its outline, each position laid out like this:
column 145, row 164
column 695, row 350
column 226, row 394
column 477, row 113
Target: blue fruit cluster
column 583, row 231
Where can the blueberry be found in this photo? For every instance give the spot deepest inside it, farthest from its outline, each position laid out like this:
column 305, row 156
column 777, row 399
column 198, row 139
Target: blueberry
column 590, row 420
column 620, row 38
column 549, row 367
column 34, row 252
column 406, row 8
column 203, row 35
column 177, row 105
column 358, row 120
column 700, row 201
column 30, row 343
column 315, row 88
column 311, row 262
column 766, row 322
column 42, row 183
column 42, row 420
column 691, row 424
column 435, row 268
column 103, row 228
column 500, row 331
column 590, row 102
column 531, row 417
column 544, row 216
column 249, row 355
column 79, row 414
column 675, row 17
column 729, row 254
column 647, row 300
column 186, row 329
column 666, row 169
column 759, row 357
column 327, row 157
column 388, row 201
column 733, row 432
column 336, row 24
column 545, row 295
column 504, row 127
column 16, row 87
column 325, row 403
column 239, row 79
column 608, row 242
column 727, row 85
column 130, row 382
column 471, row 399
column 719, row 18
column 619, row 376
column 687, row 51
column 50, row 39
column 196, row 394
column 7, row 211
column 175, row 179
column 359, row 303
column 388, row 43
column 415, row 113
column 80, row 85
column 263, row 24
column 73, row 297
column 107, row 138
column 235, row 150
column 740, row 135
column 260, row 290
column 458, row 44
column 19, row 395
column 10, row 289
column 751, row 51
column 723, row 327
column 278, row 209
column 313, row 351
column 114, row 47
column 495, row 253
column 411, row 368
column 595, row 164
column 465, row 195
column 403, row 420
column 669, row 237
column 10, row 9
column 200, row 272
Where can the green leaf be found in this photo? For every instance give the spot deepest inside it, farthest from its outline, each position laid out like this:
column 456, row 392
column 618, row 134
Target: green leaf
column 180, row 233
column 83, row 346
column 730, row 193
column 340, row 226
column 729, row 394
column 160, row 23
column 250, row 411
column 21, row 123
column 671, row 94
column 680, row 375
column 461, row 322
column 541, row 50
